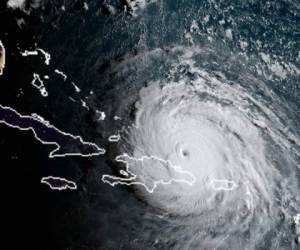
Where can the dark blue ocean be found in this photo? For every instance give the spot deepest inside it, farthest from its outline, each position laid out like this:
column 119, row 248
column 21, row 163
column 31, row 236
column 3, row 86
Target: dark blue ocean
column 111, row 50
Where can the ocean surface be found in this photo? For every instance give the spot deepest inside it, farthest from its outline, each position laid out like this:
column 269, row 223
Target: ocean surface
column 212, row 86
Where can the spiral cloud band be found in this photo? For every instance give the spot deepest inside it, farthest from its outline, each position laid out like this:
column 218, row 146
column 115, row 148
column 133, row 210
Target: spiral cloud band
column 204, row 146
column 215, row 141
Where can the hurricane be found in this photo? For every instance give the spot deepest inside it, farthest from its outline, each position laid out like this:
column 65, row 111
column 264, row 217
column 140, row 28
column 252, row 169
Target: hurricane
column 229, row 131
column 177, row 123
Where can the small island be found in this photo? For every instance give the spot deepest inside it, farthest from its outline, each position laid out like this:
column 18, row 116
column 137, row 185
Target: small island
column 58, row 183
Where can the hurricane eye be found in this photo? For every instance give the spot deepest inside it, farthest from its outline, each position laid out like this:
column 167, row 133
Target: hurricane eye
column 185, row 153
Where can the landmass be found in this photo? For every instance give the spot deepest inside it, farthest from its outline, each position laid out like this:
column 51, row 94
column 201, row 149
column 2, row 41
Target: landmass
column 218, row 184
column 58, row 183
column 59, row 72
column 38, row 83
column 2, row 58
column 114, row 138
column 162, row 172
column 46, row 55
column 66, row 144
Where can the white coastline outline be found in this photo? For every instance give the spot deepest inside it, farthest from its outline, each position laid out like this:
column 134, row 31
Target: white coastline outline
column 41, row 88
column 77, row 89
column 124, row 181
column 45, row 179
column 218, row 181
column 114, row 138
column 35, row 53
column 61, row 73
column 53, row 154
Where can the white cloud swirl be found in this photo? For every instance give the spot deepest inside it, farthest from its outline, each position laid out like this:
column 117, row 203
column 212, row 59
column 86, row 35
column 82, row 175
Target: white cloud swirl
column 216, row 120
column 234, row 141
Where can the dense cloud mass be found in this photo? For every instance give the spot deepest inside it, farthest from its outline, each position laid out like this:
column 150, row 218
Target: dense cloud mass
column 228, row 137
column 24, row 5
column 196, row 104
